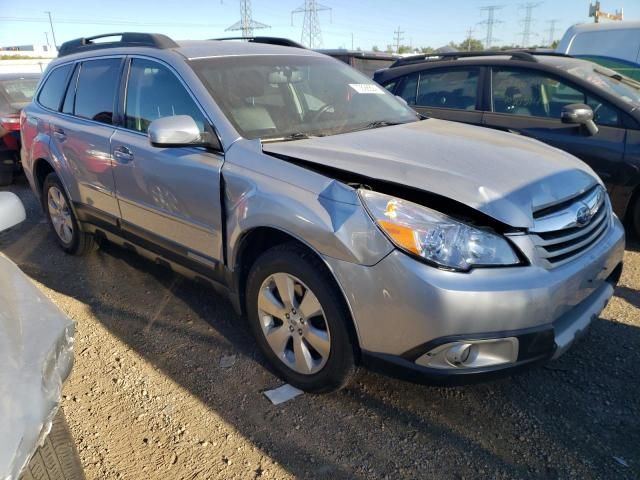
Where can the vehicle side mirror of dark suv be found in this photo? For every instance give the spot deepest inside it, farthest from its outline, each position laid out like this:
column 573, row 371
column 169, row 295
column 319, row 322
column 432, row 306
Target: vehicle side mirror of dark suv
column 180, row 131
column 579, row 114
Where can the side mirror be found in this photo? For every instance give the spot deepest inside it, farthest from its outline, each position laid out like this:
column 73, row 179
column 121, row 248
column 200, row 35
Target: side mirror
column 179, row 131
column 579, row 114
column 11, row 211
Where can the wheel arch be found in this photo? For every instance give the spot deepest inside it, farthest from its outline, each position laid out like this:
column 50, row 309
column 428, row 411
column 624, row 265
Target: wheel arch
column 258, row 240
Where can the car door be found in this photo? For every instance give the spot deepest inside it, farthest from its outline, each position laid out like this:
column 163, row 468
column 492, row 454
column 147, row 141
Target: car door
column 530, row 102
column 448, row 93
column 168, row 197
column 82, row 132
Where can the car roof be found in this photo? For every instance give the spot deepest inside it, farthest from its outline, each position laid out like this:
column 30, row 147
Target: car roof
column 539, row 61
column 590, row 27
column 193, row 49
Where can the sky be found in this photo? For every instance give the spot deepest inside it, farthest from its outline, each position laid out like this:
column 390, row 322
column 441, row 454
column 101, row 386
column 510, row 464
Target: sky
column 365, row 23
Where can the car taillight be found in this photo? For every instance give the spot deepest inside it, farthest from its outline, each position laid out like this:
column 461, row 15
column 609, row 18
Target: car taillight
column 11, row 123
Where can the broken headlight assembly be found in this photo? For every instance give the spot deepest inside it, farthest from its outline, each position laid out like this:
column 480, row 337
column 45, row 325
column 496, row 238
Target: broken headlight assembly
column 436, row 237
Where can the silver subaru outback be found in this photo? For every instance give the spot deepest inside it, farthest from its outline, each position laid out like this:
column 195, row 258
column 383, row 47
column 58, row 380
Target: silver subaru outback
column 346, row 228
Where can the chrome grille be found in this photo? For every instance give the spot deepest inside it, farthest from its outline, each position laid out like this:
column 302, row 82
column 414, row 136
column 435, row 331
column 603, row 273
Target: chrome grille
column 567, row 229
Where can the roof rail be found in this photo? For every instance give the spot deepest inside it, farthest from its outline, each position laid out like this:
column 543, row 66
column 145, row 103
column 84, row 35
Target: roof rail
column 127, row 39
column 283, row 42
column 523, row 55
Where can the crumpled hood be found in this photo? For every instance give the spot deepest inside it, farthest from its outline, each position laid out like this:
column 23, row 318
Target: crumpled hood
column 503, row 175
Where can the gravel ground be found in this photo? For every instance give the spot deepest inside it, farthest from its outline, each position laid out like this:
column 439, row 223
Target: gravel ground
column 149, row 398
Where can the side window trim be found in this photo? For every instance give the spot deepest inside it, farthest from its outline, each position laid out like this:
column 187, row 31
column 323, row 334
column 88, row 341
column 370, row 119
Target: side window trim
column 124, row 91
column 71, row 89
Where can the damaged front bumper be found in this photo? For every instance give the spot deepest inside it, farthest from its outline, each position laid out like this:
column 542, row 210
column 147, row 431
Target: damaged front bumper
column 425, row 324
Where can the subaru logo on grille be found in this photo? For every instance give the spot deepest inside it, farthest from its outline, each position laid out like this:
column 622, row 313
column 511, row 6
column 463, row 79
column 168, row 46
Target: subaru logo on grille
column 583, row 216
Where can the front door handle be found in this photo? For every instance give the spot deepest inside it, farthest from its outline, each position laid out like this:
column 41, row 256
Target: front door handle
column 59, row 134
column 122, row 154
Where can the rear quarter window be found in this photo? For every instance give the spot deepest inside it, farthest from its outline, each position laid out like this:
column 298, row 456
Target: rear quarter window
column 52, row 91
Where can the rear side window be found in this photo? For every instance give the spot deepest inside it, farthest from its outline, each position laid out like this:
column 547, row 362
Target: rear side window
column 449, row 89
column 154, row 92
column 96, row 90
column 54, row 86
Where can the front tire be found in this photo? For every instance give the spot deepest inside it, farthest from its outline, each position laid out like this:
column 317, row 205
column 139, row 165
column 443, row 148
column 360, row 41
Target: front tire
column 62, row 219
column 299, row 319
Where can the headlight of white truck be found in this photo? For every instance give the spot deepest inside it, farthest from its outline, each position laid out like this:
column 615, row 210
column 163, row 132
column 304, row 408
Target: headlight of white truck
column 436, row 237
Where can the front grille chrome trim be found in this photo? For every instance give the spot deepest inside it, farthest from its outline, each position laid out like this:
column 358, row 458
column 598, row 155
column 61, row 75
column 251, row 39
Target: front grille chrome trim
column 558, row 237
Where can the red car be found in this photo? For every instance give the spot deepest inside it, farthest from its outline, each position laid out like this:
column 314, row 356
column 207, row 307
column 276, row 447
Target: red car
column 16, row 91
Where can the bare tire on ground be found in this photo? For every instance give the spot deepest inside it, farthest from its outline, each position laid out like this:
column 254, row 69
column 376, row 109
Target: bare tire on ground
column 57, row 458
column 62, row 219
column 300, row 320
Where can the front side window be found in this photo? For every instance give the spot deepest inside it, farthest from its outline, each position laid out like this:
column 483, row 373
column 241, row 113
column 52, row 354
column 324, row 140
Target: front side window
column 53, row 89
column 528, row 93
column 277, row 96
column 448, row 89
column 409, row 89
column 96, row 90
column 153, row 92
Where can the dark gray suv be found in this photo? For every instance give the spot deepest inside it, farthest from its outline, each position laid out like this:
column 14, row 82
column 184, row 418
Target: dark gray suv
column 346, row 228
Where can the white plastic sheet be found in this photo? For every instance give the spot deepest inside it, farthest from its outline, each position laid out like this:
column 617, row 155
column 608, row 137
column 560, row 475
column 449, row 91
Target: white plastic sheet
column 36, row 356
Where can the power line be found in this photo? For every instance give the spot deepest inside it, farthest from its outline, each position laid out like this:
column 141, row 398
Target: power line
column 490, row 22
column 551, row 31
column 527, row 21
column 247, row 24
column 311, row 32
column 469, row 38
column 397, row 38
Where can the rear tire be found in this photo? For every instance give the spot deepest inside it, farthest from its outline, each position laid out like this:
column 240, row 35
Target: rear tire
column 62, row 219
column 57, row 458
column 323, row 339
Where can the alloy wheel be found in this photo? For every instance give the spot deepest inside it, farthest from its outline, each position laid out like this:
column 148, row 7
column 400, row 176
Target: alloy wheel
column 294, row 323
column 60, row 214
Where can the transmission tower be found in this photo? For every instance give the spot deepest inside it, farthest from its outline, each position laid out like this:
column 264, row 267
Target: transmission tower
column 311, row 33
column 490, row 22
column 397, row 38
column 247, row 24
column 551, row 31
column 527, row 21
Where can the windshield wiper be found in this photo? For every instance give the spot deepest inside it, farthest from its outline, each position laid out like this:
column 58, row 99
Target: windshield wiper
column 380, row 123
column 289, row 137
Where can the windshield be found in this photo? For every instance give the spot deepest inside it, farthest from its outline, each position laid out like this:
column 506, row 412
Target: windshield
column 20, row 90
column 280, row 96
column 623, row 87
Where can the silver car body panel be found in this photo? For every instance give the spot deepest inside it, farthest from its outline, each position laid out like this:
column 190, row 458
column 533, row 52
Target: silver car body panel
column 36, row 348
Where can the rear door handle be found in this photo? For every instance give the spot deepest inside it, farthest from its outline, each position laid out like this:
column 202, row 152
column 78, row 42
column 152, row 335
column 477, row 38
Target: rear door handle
column 122, row 154
column 59, row 134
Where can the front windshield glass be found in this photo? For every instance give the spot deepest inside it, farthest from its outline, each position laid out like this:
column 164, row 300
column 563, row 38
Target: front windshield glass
column 280, row 96
column 623, row 87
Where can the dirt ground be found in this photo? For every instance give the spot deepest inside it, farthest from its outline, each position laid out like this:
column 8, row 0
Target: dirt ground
column 149, row 399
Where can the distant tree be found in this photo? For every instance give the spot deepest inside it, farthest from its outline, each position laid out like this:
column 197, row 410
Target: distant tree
column 375, row 48
column 469, row 45
column 554, row 44
column 389, row 49
column 405, row 49
column 426, row 50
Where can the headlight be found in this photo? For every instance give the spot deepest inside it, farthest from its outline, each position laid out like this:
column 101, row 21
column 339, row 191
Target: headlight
column 436, row 237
